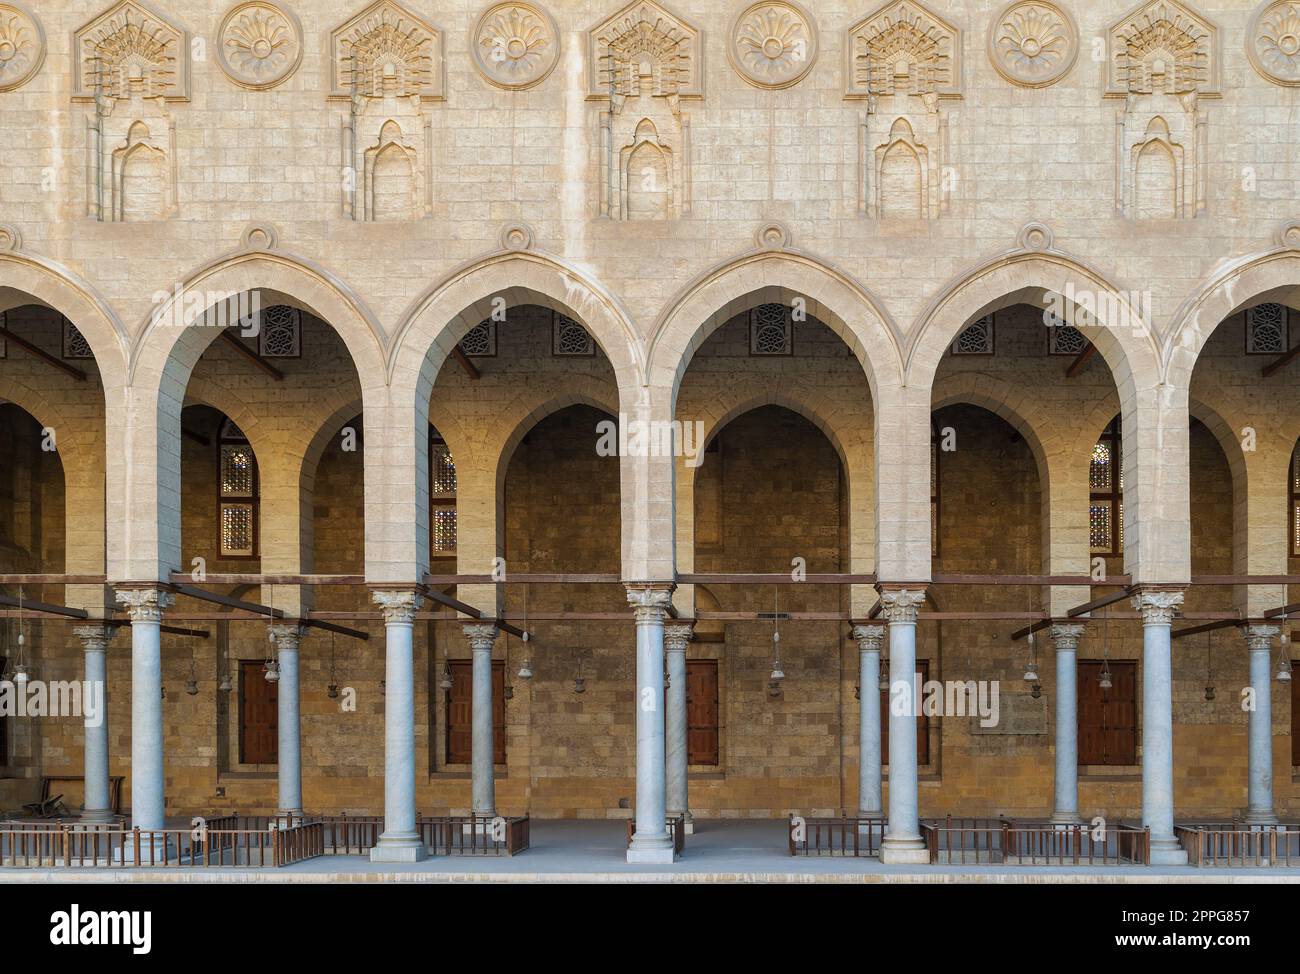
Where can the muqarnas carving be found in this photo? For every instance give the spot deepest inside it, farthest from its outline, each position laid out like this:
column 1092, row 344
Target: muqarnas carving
column 132, row 63
column 1163, row 60
column 643, row 63
column 1273, row 41
column 386, row 62
column 22, row 45
column 259, row 44
column 904, row 62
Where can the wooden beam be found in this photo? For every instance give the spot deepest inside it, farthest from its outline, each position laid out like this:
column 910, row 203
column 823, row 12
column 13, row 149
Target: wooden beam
column 197, row 593
column 46, row 607
column 39, row 579
column 43, row 355
column 1100, row 603
column 334, row 627
column 1280, row 362
column 452, row 603
column 198, row 438
column 1038, row 626
column 182, row 578
column 948, row 579
column 1282, row 610
column 1080, row 360
column 1206, row 627
column 470, row 368
column 232, row 339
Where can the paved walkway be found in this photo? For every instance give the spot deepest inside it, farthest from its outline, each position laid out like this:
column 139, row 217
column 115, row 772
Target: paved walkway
column 593, row 851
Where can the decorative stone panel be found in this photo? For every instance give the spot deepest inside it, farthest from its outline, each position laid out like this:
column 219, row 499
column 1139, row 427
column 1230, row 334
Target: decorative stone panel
column 1162, row 47
column 772, row 43
column 1273, row 41
column 903, row 48
column 515, row 45
column 1033, row 44
column 644, row 49
column 22, row 45
column 130, row 50
column 259, row 44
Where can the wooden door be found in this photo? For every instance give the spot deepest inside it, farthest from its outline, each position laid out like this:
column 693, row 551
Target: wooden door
column 702, row 710
column 460, row 712
column 1108, row 717
column 259, row 715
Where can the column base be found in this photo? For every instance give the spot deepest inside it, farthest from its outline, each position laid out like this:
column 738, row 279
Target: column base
column 97, row 816
column 1168, row 852
column 1065, row 818
column 1260, row 816
column 651, row 850
column 688, row 821
column 904, row 852
column 401, row 847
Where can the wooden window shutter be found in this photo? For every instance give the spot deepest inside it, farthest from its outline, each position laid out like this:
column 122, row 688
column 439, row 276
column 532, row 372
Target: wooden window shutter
column 922, row 722
column 703, row 734
column 259, row 715
column 1108, row 718
column 459, row 712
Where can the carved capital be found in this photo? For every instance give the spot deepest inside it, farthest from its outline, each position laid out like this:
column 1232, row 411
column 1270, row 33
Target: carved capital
column 94, row 639
column 677, row 635
column 1066, row 636
column 901, row 604
column 286, row 636
column 481, row 636
column 1158, row 606
column 398, row 606
column 869, row 637
column 650, row 600
column 1259, row 638
column 145, row 604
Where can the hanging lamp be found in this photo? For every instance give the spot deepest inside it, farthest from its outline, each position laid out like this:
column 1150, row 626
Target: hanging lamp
column 1103, row 679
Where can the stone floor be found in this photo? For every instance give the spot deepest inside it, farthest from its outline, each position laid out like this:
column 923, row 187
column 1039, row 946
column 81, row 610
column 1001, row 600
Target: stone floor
column 720, row 851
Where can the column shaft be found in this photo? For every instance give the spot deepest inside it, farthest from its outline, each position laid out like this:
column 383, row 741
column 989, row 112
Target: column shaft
column 1065, row 785
column 870, row 802
column 289, row 756
column 97, row 806
column 1259, row 805
column 677, row 796
column 903, row 842
column 650, row 842
column 483, row 742
column 1157, row 607
column 145, row 606
column 400, row 841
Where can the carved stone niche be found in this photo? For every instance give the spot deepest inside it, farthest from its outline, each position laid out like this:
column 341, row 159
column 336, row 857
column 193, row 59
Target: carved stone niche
column 386, row 62
column 131, row 62
column 1162, row 58
column 643, row 62
column 904, row 62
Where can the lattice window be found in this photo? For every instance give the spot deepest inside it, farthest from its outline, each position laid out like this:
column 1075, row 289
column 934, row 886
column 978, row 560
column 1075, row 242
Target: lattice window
column 481, row 340
column 771, row 330
column 1267, row 330
column 1106, row 493
column 570, row 338
column 1063, row 339
column 237, row 493
column 74, row 342
column 281, row 333
column 976, row 338
column 442, row 496
column 1294, row 494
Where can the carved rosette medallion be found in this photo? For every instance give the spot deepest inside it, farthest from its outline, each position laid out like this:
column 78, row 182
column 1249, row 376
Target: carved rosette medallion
column 515, row 45
column 1033, row 44
column 22, row 45
column 260, row 44
column 773, row 44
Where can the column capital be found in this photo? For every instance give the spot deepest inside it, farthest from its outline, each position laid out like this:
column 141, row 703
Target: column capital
column 286, row 636
column 870, row 636
column 1260, row 637
column 146, row 603
column 397, row 605
column 1157, row 605
column 900, row 604
column 677, row 635
column 481, row 635
column 1066, row 635
column 650, row 601
column 94, row 639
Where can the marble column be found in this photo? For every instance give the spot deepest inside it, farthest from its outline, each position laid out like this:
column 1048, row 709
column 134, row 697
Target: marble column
column 98, row 804
column 1065, row 785
column 1157, row 607
column 483, row 747
column 1259, row 804
column 676, row 636
column 870, row 638
column 287, row 639
column 903, row 843
column 400, row 841
column 145, row 606
column 650, row 841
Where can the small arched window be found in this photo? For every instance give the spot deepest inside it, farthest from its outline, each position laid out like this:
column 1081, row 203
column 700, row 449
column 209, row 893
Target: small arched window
column 1106, row 493
column 237, row 493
